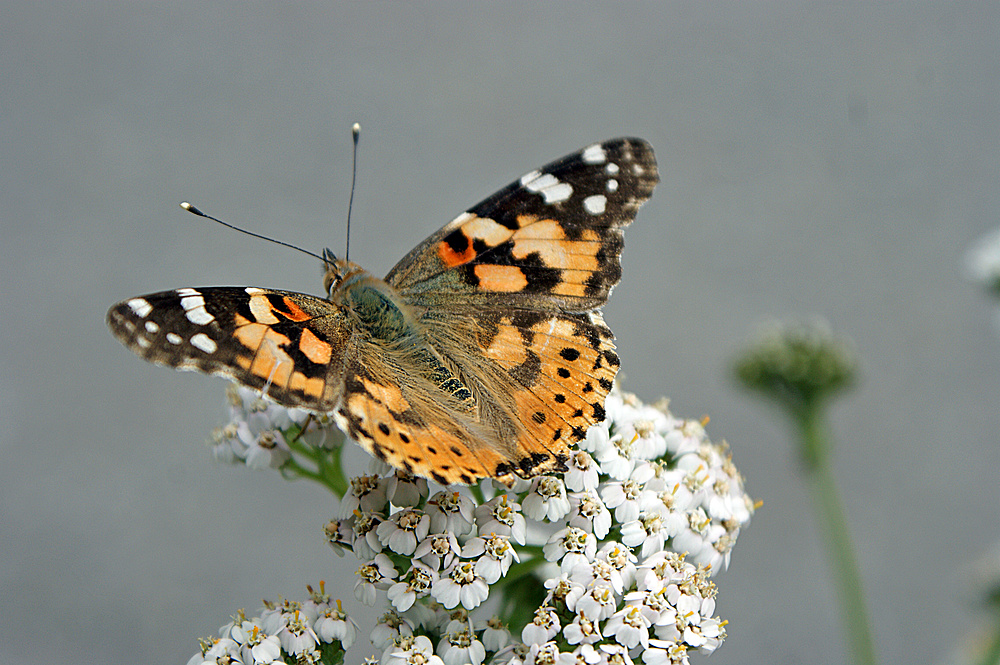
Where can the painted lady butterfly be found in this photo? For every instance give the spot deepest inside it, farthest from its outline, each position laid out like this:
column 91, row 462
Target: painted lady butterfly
column 481, row 354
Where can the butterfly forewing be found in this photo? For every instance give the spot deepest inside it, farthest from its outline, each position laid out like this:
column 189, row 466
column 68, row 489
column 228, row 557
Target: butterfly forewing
column 551, row 238
column 289, row 342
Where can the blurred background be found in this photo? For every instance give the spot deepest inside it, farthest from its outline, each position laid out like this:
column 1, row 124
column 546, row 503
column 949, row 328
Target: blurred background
column 831, row 160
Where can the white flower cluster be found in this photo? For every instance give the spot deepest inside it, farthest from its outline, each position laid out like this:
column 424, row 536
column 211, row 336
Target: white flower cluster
column 620, row 548
column 308, row 633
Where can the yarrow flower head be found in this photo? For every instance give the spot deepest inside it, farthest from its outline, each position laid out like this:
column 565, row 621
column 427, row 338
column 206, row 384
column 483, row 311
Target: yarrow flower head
column 310, row 632
column 611, row 562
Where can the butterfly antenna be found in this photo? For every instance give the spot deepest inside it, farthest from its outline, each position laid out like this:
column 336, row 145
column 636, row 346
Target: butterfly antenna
column 355, row 132
column 194, row 211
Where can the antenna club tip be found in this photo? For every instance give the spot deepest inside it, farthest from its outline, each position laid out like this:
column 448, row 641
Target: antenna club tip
column 191, row 209
column 355, row 130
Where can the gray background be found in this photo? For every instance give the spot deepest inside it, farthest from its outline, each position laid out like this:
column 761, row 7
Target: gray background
column 832, row 160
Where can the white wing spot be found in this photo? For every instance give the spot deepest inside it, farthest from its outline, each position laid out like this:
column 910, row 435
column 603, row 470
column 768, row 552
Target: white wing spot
column 612, row 185
column 204, row 342
column 253, row 291
column 594, row 154
column 461, row 219
column 194, row 308
column 140, row 306
column 187, row 292
column 638, row 170
column 143, row 342
column 174, row 338
column 152, row 328
column 548, row 186
column 530, row 177
column 611, row 168
column 595, row 204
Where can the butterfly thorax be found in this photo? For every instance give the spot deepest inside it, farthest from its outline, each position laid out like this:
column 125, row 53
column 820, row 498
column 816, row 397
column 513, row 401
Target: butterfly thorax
column 381, row 315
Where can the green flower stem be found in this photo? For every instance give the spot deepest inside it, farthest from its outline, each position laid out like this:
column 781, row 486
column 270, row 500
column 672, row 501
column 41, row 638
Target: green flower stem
column 832, row 524
column 992, row 654
column 329, row 470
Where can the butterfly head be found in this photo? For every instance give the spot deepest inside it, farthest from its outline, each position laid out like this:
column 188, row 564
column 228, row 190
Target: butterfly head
column 336, row 271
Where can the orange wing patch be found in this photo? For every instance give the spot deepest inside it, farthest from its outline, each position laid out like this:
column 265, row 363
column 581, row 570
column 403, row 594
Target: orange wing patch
column 416, row 437
column 547, row 239
column 503, row 279
column 314, row 348
column 565, row 365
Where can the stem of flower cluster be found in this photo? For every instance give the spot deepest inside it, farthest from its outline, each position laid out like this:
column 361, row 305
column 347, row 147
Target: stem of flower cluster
column 832, row 522
column 992, row 654
column 329, row 468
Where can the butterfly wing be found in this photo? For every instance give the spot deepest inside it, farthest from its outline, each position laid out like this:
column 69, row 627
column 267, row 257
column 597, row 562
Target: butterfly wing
column 550, row 239
column 510, row 291
column 291, row 343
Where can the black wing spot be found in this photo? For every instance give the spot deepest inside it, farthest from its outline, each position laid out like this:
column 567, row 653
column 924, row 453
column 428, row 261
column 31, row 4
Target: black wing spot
column 466, row 478
column 557, row 435
column 578, row 413
column 588, row 387
column 563, row 372
column 569, row 353
column 528, row 463
column 579, row 433
column 503, row 468
column 456, row 450
column 560, row 398
column 406, row 439
column 599, row 413
column 605, row 384
column 382, row 427
column 538, row 417
column 439, row 478
column 457, row 241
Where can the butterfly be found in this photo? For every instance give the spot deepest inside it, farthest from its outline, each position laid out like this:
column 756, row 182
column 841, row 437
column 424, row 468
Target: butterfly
column 482, row 354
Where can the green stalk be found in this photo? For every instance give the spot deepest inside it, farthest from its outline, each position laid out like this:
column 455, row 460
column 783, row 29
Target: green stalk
column 832, row 524
column 992, row 654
